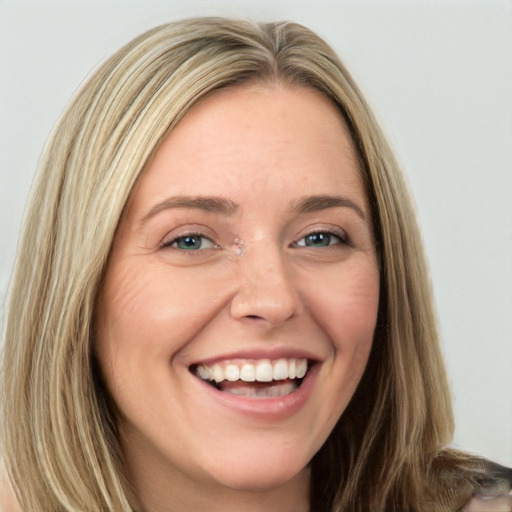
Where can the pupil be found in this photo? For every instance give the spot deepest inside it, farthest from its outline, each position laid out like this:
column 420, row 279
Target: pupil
column 318, row 239
column 190, row 242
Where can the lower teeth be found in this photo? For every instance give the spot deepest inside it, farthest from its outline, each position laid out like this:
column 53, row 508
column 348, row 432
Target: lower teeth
column 275, row 390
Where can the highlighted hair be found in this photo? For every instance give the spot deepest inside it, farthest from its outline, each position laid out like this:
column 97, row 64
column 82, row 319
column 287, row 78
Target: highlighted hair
column 58, row 437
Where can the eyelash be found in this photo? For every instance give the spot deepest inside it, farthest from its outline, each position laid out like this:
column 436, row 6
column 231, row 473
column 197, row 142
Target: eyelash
column 341, row 237
column 342, row 240
column 175, row 240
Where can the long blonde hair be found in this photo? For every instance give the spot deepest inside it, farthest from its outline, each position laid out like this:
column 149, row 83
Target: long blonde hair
column 58, row 438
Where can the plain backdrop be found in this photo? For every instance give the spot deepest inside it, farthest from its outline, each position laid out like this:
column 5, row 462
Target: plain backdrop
column 439, row 76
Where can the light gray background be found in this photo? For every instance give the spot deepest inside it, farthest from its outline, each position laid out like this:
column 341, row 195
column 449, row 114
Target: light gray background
column 439, row 75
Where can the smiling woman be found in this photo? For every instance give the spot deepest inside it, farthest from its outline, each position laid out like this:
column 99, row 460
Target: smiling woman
column 283, row 329
column 221, row 301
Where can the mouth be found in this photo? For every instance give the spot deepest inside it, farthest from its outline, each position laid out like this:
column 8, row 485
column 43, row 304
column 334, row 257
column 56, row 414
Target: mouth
column 262, row 378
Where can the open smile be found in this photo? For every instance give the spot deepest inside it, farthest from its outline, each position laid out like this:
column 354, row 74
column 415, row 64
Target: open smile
column 251, row 378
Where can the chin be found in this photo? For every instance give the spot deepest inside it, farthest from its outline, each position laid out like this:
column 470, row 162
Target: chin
column 263, row 479
column 254, row 474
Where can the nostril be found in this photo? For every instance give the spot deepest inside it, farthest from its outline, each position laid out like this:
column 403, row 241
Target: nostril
column 256, row 302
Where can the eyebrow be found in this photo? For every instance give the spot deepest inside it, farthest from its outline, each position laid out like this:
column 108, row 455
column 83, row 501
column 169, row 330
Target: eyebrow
column 224, row 206
column 212, row 204
column 311, row 204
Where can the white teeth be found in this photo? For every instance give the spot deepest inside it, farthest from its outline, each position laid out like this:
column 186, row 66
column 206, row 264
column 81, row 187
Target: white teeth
column 292, row 372
column 248, row 373
column 260, row 371
column 280, row 370
column 302, row 368
column 204, row 372
column 264, row 371
column 232, row 373
column 218, row 373
column 279, row 389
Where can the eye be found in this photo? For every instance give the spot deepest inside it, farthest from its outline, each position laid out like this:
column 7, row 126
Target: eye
column 320, row 239
column 190, row 242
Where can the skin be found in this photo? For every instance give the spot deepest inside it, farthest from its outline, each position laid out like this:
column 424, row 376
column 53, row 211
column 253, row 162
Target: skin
column 501, row 503
column 8, row 502
column 162, row 309
column 254, row 285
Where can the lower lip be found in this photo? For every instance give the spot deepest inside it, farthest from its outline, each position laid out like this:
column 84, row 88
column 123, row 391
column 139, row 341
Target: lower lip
column 272, row 408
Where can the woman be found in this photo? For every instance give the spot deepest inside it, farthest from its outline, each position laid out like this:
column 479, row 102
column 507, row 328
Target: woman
column 221, row 300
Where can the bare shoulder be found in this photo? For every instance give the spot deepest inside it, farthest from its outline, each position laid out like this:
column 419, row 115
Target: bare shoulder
column 499, row 503
column 8, row 502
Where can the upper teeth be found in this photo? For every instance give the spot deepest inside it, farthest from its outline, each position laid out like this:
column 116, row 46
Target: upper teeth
column 260, row 371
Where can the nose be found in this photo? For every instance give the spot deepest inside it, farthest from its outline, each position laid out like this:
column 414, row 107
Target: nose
column 266, row 291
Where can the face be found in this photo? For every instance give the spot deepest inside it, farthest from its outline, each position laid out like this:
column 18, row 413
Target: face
column 241, row 296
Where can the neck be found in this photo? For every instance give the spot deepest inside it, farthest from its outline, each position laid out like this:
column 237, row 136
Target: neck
column 269, row 501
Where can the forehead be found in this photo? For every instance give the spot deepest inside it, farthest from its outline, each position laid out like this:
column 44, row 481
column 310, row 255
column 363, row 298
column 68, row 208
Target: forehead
column 257, row 136
column 256, row 111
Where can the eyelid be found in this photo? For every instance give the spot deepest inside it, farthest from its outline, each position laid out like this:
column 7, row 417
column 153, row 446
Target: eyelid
column 168, row 241
column 337, row 232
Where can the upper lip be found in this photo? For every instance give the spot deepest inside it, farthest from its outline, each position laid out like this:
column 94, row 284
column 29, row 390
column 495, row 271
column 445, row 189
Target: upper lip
column 259, row 354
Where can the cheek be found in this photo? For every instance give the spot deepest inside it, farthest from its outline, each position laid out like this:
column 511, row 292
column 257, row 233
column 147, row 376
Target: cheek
column 146, row 316
column 347, row 306
column 346, row 310
column 149, row 311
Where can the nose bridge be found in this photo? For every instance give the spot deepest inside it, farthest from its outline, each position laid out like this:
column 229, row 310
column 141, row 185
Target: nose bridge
column 265, row 288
